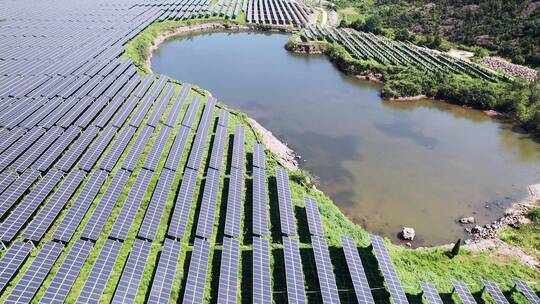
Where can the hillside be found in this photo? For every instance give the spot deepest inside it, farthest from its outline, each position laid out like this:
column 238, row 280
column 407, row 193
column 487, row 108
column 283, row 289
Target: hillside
column 509, row 28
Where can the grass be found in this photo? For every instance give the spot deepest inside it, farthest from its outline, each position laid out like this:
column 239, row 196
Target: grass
column 527, row 236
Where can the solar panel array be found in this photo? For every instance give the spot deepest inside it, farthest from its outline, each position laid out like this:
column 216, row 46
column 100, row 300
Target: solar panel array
column 260, row 211
column 127, row 288
column 32, row 278
column 313, row 216
column 258, row 156
column 325, row 271
column 228, row 273
column 293, row 271
column 103, row 266
column 356, row 271
column 286, row 212
column 495, row 292
column 262, row 284
column 431, row 294
column 198, row 269
column 234, row 203
column 387, row 268
column 463, row 292
column 527, row 291
column 67, row 273
column 12, row 260
column 162, row 284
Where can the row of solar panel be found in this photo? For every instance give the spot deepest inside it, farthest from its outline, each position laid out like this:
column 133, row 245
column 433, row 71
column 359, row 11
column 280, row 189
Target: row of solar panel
column 282, row 12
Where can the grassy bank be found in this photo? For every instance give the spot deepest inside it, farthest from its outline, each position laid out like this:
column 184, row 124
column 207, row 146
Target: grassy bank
column 413, row 266
column 527, row 236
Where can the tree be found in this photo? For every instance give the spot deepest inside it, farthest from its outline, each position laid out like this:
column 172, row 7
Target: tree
column 403, row 34
column 373, row 24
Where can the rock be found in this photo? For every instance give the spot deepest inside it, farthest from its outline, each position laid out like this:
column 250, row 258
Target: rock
column 408, row 233
column 477, row 229
column 467, row 220
column 515, row 225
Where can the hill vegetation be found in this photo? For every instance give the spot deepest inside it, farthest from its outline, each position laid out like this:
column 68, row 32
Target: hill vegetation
column 509, row 28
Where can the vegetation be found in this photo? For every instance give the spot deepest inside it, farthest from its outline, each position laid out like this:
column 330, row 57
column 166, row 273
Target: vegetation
column 527, row 236
column 509, row 28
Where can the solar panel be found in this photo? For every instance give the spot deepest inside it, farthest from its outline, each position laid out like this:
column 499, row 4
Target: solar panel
column 495, row 292
column 198, row 147
column 313, row 216
column 258, row 156
column 77, row 149
column 126, row 291
column 16, row 190
column 17, row 219
column 106, row 114
column 46, row 216
column 74, row 217
column 260, row 211
column 431, row 293
column 218, row 145
column 30, row 282
column 228, row 273
column 223, row 118
column 191, row 112
column 356, row 270
column 144, row 86
column 154, row 156
column 12, row 260
column 388, row 271
column 19, row 147
column 234, row 203
column 286, row 213
column 45, row 161
column 525, row 289
column 132, row 204
column 99, row 275
column 137, row 149
column 29, row 156
column 161, row 104
column 205, row 222
column 182, row 205
column 67, row 273
column 325, row 271
column 238, row 148
column 176, row 108
column 262, row 284
column 6, row 179
column 162, row 284
column 96, row 150
column 117, row 148
column 293, row 271
column 126, row 109
column 103, row 210
column 198, row 268
column 157, row 204
column 177, row 149
column 464, row 293
column 10, row 138
column 130, row 86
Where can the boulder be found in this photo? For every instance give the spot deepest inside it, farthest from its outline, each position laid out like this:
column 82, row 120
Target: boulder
column 408, row 233
column 467, row 220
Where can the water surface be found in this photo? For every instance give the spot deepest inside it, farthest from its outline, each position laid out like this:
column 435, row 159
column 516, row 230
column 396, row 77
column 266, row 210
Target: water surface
column 386, row 164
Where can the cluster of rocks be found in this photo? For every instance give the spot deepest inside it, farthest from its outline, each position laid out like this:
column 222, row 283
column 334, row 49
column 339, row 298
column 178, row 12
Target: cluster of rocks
column 515, row 70
column 513, row 217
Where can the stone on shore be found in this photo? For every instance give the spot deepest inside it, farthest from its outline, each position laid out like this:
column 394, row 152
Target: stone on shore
column 408, row 233
column 467, row 220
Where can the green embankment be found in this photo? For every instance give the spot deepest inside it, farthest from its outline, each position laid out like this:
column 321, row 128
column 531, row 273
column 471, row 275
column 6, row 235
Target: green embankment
column 413, row 266
column 527, row 236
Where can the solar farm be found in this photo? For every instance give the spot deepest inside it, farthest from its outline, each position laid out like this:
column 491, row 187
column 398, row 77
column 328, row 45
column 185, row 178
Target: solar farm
column 368, row 46
column 129, row 188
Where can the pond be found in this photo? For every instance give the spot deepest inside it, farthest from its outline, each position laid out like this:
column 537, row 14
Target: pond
column 421, row 164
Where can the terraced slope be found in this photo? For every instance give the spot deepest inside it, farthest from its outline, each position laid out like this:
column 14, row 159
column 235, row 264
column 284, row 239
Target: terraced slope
column 116, row 187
